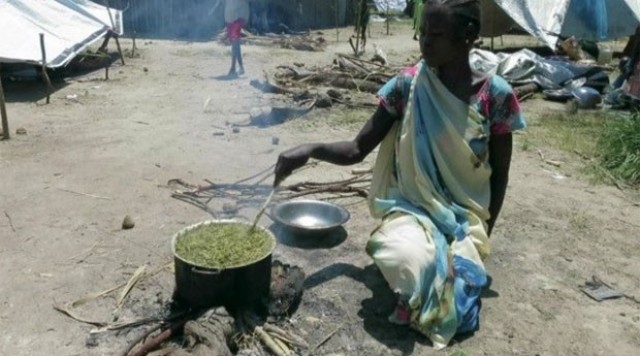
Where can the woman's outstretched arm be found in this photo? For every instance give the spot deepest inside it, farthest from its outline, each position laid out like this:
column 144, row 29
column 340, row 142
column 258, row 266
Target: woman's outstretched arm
column 342, row 152
column 500, row 149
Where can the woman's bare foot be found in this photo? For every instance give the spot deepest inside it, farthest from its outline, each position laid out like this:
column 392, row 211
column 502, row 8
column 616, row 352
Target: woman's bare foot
column 401, row 315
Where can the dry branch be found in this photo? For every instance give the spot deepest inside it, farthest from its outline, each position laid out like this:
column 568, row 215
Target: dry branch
column 526, row 90
column 298, row 73
column 272, row 344
column 141, row 338
column 266, row 339
column 84, row 194
column 345, row 72
column 137, row 276
column 360, row 85
column 328, row 337
column 357, row 185
column 288, row 337
column 156, row 341
column 268, row 87
column 10, row 221
column 299, row 41
column 67, row 311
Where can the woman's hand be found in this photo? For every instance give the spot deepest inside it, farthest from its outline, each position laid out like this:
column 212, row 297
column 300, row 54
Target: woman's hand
column 291, row 160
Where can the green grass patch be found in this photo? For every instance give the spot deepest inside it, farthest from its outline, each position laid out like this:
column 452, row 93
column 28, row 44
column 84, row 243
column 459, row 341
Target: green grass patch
column 579, row 221
column 570, row 133
column 619, row 148
column 609, row 141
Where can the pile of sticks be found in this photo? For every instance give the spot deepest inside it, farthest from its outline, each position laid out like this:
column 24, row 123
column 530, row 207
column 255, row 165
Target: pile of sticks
column 355, row 186
column 346, row 72
column 348, row 81
column 299, row 42
column 278, row 341
column 212, row 332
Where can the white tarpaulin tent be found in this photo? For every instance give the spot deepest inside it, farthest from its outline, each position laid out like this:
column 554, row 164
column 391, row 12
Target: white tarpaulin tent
column 495, row 22
column 98, row 12
column 392, row 5
column 593, row 20
column 69, row 27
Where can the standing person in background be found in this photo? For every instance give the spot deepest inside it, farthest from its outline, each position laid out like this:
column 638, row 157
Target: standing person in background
column 362, row 22
column 627, row 66
column 236, row 14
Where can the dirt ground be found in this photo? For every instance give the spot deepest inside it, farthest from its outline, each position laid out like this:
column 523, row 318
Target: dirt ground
column 87, row 162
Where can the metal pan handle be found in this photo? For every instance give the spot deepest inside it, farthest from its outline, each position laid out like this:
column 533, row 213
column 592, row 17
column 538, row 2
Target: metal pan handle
column 214, row 272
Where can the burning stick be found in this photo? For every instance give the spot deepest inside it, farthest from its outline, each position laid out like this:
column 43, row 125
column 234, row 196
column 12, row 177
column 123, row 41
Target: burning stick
column 279, row 349
column 156, row 341
column 266, row 339
column 285, row 336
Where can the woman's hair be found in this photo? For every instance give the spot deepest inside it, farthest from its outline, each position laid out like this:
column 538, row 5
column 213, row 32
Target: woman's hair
column 466, row 15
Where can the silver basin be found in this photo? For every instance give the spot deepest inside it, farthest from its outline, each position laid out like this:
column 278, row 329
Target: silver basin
column 309, row 216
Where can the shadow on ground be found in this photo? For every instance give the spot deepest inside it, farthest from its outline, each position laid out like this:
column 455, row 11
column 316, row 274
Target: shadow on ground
column 23, row 83
column 29, row 91
column 374, row 310
column 326, row 240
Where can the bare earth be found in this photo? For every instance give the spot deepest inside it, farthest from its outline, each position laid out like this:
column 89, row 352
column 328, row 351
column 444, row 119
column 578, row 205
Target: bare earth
column 121, row 141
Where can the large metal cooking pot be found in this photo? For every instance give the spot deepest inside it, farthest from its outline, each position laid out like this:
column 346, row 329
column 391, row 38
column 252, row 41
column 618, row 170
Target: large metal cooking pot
column 203, row 287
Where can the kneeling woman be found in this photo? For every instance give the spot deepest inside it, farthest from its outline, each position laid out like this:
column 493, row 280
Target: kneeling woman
column 440, row 176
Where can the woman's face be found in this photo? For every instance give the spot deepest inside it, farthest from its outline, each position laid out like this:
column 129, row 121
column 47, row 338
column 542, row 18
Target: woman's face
column 437, row 41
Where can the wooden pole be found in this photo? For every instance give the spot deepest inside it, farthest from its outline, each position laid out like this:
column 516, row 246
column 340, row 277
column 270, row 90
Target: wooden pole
column 388, row 20
column 358, row 24
column 171, row 18
column 147, row 17
column 3, row 112
column 161, row 15
column 45, row 76
column 133, row 48
column 113, row 28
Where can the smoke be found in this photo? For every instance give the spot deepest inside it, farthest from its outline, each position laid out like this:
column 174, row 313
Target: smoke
column 184, row 19
column 194, row 19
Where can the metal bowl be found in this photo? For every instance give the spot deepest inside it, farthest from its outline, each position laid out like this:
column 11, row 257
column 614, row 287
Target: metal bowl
column 309, row 216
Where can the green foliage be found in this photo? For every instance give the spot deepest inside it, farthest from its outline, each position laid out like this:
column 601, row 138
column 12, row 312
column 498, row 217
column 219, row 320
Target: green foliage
column 223, row 245
column 610, row 142
column 618, row 148
column 574, row 134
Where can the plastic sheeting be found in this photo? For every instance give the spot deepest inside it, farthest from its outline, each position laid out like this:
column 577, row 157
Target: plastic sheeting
column 98, row 12
column 592, row 20
column 393, row 5
column 68, row 26
column 525, row 67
